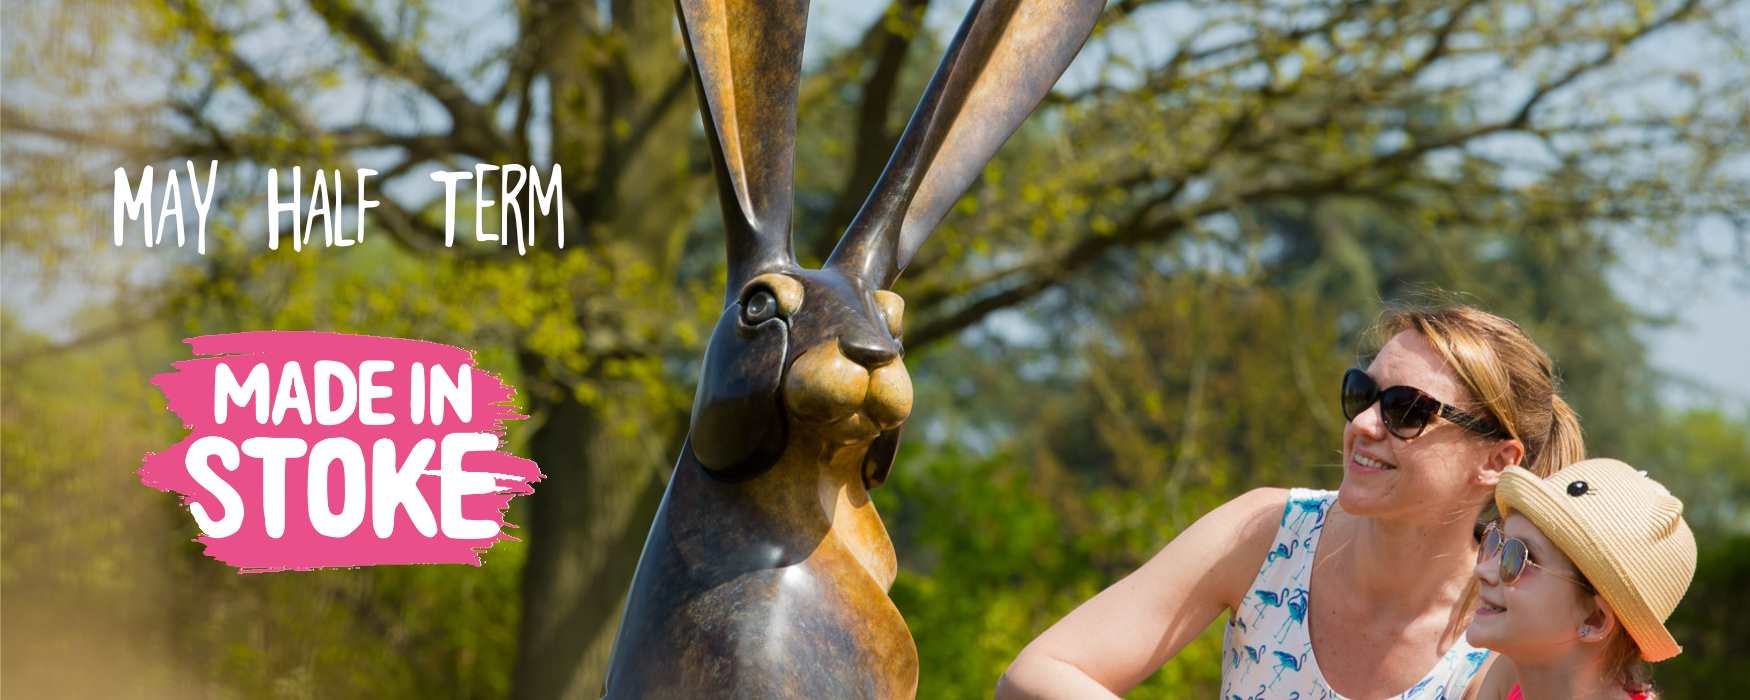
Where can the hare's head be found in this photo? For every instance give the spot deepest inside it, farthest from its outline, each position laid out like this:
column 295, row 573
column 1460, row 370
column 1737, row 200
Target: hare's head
column 820, row 350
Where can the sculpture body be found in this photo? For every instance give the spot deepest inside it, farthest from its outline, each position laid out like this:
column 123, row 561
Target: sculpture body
column 766, row 571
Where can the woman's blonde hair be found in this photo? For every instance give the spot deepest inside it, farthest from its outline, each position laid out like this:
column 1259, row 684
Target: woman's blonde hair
column 1509, row 376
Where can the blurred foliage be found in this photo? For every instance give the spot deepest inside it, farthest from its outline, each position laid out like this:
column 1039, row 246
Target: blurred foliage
column 1710, row 624
column 1138, row 313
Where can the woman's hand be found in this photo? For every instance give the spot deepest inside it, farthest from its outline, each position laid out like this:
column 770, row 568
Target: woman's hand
column 1118, row 638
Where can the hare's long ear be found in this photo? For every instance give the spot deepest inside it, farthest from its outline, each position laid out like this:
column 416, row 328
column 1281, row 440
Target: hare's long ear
column 1003, row 60
column 747, row 60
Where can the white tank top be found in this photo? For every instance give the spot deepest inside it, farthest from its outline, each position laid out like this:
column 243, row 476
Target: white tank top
column 1266, row 650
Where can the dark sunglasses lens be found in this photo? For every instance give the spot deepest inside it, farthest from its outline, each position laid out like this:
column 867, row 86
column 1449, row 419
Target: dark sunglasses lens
column 1512, row 560
column 1406, row 411
column 1359, row 391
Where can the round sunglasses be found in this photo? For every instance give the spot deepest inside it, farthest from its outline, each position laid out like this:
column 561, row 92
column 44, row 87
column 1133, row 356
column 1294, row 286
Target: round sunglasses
column 1406, row 410
column 1514, row 557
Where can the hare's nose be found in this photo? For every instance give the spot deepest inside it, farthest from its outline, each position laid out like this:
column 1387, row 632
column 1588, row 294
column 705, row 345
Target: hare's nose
column 867, row 350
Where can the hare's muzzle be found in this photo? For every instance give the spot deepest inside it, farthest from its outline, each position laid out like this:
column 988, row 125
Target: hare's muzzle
column 824, row 388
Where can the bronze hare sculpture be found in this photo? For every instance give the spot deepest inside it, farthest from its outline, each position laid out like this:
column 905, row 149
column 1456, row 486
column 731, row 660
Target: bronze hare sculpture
column 766, row 571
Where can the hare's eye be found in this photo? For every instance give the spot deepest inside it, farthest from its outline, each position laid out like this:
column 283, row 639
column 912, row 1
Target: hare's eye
column 770, row 295
column 759, row 307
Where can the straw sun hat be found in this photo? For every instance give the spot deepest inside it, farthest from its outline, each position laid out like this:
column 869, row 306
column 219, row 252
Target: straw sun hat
column 1623, row 530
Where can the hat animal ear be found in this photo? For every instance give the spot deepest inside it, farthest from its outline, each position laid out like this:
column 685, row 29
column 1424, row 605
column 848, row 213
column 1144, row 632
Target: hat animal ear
column 747, row 62
column 1000, row 64
column 1670, row 510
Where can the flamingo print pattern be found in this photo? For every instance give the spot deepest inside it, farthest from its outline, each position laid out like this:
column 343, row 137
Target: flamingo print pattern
column 1268, row 651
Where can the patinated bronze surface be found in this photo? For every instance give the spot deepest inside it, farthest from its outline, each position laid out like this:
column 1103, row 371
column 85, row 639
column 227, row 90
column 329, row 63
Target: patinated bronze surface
column 766, row 571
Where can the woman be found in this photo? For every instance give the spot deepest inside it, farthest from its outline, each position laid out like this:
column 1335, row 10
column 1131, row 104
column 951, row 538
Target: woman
column 1578, row 580
column 1364, row 592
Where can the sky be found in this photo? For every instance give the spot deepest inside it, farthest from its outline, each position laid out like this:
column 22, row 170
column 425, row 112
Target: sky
column 1708, row 342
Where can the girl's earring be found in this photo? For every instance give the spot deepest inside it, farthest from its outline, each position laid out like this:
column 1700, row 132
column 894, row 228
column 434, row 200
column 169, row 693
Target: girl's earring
column 1585, row 630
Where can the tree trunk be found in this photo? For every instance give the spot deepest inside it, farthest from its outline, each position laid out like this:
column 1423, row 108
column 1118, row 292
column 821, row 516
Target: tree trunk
column 585, row 529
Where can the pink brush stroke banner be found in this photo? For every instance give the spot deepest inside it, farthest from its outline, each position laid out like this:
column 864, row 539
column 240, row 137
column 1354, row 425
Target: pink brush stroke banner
column 412, row 467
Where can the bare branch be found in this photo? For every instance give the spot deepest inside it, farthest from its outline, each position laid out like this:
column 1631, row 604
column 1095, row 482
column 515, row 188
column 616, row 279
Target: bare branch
column 240, row 69
column 471, row 122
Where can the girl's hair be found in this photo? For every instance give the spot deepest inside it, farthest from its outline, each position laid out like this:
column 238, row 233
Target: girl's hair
column 1510, row 377
column 1624, row 665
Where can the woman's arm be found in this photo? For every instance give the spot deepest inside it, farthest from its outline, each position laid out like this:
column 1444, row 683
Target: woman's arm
column 1114, row 641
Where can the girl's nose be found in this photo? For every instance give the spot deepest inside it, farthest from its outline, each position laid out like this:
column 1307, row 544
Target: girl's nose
column 1486, row 570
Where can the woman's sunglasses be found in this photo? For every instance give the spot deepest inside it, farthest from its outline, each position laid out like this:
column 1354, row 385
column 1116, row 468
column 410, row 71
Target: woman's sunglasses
column 1405, row 409
column 1514, row 557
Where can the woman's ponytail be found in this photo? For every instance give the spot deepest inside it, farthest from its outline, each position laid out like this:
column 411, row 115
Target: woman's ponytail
column 1562, row 444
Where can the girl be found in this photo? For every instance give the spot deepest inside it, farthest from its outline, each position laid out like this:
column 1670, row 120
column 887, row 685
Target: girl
column 1578, row 580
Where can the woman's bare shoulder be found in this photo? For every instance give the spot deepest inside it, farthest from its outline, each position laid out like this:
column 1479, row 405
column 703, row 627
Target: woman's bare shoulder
column 1244, row 528
column 1264, row 500
column 1255, row 513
